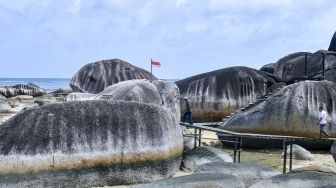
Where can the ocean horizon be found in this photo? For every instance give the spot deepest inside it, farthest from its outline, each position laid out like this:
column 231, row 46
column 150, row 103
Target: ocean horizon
column 49, row 84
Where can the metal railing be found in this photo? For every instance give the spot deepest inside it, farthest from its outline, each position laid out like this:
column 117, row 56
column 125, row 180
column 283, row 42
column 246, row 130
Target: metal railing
column 238, row 140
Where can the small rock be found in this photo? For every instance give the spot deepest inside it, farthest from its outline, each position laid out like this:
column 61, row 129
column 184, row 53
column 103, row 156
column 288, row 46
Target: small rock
column 302, row 179
column 22, row 97
column 196, row 180
column 202, row 155
column 4, row 106
column 249, row 173
column 299, row 153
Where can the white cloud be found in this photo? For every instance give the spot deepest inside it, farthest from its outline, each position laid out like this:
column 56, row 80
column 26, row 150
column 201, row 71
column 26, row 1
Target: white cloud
column 76, row 6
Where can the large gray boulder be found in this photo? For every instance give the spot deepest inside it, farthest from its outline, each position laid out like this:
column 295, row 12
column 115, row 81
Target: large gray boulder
column 332, row 46
column 209, row 180
column 292, row 66
column 95, row 77
column 216, row 94
column 159, row 92
column 291, row 111
column 299, row 179
column 249, row 173
column 202, row 155
column 89, row 143
column 22, row 89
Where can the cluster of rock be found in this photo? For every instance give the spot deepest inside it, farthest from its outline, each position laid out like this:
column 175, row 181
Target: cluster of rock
column 22, row 89
column 292, row 67
column 118, row 128
column 268, row 101
column 128, row 133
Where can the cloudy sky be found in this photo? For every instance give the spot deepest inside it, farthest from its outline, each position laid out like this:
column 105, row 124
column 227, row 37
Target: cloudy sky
column 55, row 38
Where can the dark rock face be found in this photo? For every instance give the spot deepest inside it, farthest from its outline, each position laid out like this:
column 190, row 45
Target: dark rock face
column 95, row 77
column 303, row 179
column 292, row 66
column 202, row 155
column 217, row 180
column 249, row 173
column 269, row 68
column 90, row 143
column 216, row 94
column 332, row 46
column 22, row 89
column 291, row 111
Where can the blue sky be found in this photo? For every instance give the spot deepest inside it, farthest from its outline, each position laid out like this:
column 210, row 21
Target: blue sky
column 55, row 38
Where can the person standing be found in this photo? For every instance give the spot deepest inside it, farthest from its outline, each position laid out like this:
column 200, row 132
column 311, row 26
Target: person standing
column 187, row 117
column 322, row 121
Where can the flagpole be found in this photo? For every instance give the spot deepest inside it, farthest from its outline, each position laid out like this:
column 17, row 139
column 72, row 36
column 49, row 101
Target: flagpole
column 151, row 70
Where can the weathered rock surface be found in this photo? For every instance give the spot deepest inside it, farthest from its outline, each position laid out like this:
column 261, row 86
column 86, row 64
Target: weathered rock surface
column 46, row 99
column 157, row 92
column 332, row 46
column 90, row 143
column 202, row 155
column 188, row 143
column 269, row 68
column 22, row 89
column 95, row 77
column 249, row 173
column 291, row 111
column 290, row 67
column 61, row 91
column 299, row 153
column 21, row 101
column 299, row 179
column 4, row 106
column 78, row 96
column 213, row 180
column 216, row 94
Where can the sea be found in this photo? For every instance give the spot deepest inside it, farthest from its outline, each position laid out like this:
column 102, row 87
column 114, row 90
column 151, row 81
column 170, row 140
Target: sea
column 49, row 84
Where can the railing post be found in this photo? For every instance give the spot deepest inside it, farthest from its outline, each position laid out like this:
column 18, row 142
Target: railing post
column 199, row 137
column 240, row 148
column 285, row 155
column 195, row 137
column 291, row 156
column 235, row 150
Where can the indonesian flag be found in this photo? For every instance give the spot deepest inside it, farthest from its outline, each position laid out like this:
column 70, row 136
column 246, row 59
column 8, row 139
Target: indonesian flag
column 156, row 63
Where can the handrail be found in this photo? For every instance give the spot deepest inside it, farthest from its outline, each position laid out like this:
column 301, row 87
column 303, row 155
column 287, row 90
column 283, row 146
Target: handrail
column 238, row 138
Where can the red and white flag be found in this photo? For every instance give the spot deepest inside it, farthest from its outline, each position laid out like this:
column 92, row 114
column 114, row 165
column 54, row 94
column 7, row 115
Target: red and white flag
column 156, row 63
